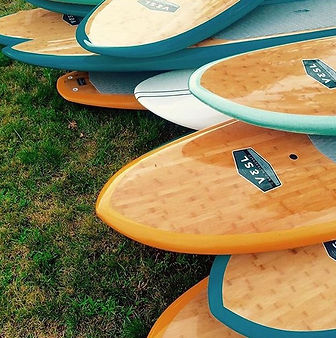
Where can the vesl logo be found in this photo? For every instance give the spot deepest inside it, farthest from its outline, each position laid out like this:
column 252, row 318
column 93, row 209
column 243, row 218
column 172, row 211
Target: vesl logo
column 320, row 72
column 255, row 169
column 159, row 5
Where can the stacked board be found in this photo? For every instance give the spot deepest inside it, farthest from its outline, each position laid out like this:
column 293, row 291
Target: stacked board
column 294, row 21
column 298, row 93
column 109, row 90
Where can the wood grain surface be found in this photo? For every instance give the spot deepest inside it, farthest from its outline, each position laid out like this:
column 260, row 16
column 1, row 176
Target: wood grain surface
column 193, row 186
column 189, row 316
column 289, row 290
column 129, row 23
column 275, row 79
column 50, row 33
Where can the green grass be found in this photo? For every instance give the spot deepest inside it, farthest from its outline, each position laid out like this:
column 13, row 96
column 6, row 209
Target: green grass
column 62, row 271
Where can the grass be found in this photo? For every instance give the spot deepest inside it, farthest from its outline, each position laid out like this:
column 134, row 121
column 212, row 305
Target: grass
column 63, row 273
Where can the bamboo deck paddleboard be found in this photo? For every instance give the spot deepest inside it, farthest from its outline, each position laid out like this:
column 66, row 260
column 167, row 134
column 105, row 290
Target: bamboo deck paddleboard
column 291, row 87
column 232, row 188
column 167, row 95
column 109, row 90
column 276, row 294
column 63, row 7
column 146, row 28
column 26, row 25
column 189, row 316
column 300, row 19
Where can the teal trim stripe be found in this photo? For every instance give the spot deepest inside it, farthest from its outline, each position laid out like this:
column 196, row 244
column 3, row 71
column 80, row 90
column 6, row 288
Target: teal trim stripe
column 61, row 7
column 172, row 44
column 320, row 125
column 240, row 324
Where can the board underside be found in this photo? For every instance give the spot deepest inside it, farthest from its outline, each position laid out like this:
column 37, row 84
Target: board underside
column 92, row 3
column 78, row 87
column 276, row 294
column 58, row 48
column 167, row 95
column 193, row 195
column 158, row 27
column 189, row 316
column 291, row 87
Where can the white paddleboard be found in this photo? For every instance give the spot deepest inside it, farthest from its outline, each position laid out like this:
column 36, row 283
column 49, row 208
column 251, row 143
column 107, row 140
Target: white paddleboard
column 167, row 95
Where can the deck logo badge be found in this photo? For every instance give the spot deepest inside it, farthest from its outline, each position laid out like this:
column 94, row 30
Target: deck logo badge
column 72, row 20
column 159, row 5
column 330, row 247
column 320, row 72
column 255, row 169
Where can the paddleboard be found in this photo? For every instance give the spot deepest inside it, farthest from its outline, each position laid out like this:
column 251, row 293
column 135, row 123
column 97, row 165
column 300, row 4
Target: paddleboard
column 109, row 90
column 231, row 188
column 167, row 95
column 63, row 7
column 291, row 87
column 245, row 35
column 276, row 294
column 189, row 316
column 146, row 28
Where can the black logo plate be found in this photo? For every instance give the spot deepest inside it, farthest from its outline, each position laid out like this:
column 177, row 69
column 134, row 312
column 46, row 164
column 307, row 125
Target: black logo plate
column 255, row 169
column 320, row 72
column 159, row 5
column 331, row 249
column 72, row 20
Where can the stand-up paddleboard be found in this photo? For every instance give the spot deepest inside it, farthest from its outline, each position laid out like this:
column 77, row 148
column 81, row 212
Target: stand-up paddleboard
column 247, row 34
column 62, row 7
column 26, row 25
column 292, row 87
column 189, row 316
column 109, row 90
column 232, row 188
column 145, row 28
column 167, row 95
column 277, row 294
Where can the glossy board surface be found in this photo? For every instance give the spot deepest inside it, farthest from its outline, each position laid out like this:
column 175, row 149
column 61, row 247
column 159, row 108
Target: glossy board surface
column 157, row 26
column 189, row 316
column 242, row 36
column 291, row 87
column 277, row 294
column 232, row 188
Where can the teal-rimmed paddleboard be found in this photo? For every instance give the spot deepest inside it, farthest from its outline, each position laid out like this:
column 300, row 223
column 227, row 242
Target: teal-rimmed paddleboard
column 291, row 87
column 249, row 33
column 276, row 294
column 146, row 28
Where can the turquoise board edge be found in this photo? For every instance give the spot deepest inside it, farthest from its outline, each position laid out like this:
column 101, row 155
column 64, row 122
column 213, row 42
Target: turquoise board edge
column 173, row 44
column 315, row 125
column 240, row 324
column 187, row 58
column 64, row 8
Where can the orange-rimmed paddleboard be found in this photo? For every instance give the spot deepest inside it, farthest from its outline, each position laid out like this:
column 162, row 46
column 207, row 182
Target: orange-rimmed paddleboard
column 277, row 294
column 231, row 188
column 290, row 87
column 189, row 316
column 109, row 90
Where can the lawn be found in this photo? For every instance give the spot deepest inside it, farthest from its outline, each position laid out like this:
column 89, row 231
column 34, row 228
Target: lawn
column 64, row 273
